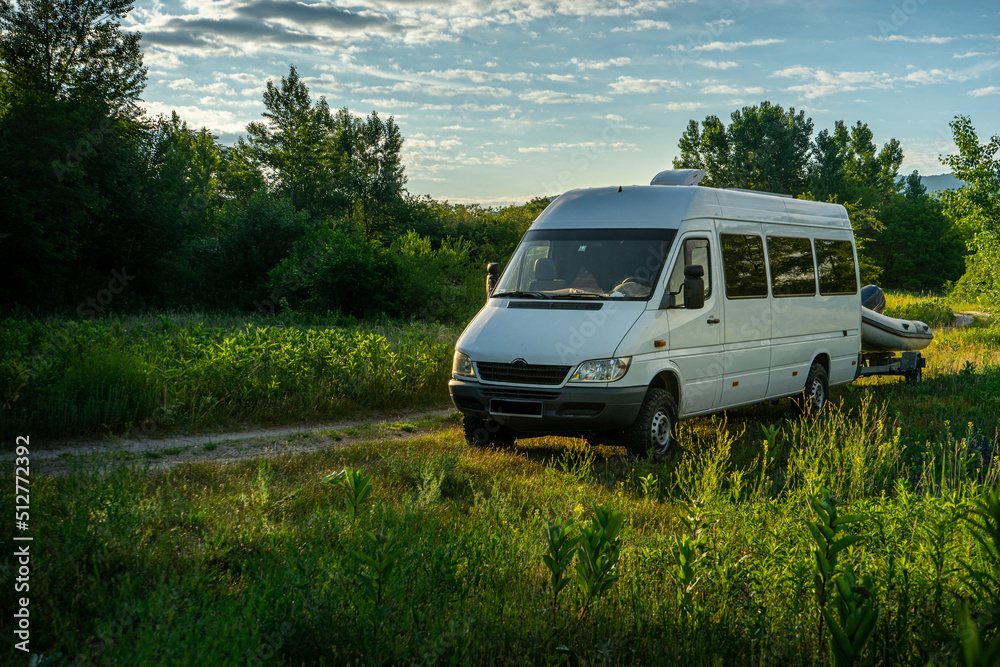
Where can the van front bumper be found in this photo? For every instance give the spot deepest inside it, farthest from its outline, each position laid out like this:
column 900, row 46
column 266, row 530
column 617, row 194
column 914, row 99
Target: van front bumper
column 560, row 409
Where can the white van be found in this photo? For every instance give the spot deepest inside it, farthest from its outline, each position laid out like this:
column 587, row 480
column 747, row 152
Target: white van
column 624, row 309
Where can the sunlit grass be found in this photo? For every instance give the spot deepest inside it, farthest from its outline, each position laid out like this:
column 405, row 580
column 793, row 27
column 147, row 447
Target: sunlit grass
column 191, row 370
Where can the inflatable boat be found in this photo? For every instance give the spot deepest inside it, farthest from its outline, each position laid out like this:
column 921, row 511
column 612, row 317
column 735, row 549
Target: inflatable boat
column 881, row 333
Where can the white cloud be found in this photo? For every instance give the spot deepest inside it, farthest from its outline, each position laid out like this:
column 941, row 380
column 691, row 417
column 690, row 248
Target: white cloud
column 566, row 78
column 600, row 64
column 932, row 39
column 927, row 76
column 643, row 24
column 218, row 121
column 826, row 83
column 973, row 54
column 716, row 64
column 720, row 23
column 554, row 97
column 478, row 76
column 436, row 89
column 725, row 89
column 732, row 46
column 533, row 149
column 187, row 84
column 160, row 59
column 683, row 106
column 630, row 84
column 989, row 90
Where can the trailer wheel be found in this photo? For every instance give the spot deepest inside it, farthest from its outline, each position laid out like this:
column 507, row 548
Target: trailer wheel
column 916, row 376
column 486, row 433
column 816, row 391
column 655, row 426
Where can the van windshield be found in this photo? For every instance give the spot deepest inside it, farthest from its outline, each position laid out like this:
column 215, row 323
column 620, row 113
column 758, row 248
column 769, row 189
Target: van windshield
column 586, row 263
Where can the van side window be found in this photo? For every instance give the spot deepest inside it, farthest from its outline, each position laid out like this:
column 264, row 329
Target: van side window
column 694, row 251
column 743, row 266
column 837, row 274
column 792, row 271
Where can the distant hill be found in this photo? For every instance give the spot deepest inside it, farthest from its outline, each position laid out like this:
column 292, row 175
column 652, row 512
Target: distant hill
column 940, row 182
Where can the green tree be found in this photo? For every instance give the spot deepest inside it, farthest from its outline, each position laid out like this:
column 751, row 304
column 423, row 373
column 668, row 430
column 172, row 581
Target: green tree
column 764, row 148
column 847, row 165
column 73, row 49
column 975, row 207
column 43, row 196
column 368, row 168
column 288, row 147
column 919, row 248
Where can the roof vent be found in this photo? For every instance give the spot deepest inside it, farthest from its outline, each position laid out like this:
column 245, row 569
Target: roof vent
column 678, row 177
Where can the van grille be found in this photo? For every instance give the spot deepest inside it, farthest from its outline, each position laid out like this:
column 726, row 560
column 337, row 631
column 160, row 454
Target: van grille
column 535, row 394
column 522, row 373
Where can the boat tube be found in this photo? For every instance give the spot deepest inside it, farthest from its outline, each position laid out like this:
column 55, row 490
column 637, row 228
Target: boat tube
column 881, row 333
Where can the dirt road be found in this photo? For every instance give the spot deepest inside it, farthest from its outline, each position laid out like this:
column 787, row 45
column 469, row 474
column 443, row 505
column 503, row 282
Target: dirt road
column 57, row 456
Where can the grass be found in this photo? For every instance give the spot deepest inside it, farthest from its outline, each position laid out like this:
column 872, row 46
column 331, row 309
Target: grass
column 934, row 311
column 192, row 371
column 260, row 562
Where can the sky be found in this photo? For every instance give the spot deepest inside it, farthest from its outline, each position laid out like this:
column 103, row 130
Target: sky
column 500, row 101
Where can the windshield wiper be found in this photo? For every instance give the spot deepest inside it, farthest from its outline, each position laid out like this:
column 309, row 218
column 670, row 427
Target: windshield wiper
column 579, row 295
column 523, row 295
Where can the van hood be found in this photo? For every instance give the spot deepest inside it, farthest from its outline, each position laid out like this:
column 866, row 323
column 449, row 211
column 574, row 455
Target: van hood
column 548, row 332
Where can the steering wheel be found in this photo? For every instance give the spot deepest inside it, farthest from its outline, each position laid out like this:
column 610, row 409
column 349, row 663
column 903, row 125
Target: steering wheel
column 645, row 282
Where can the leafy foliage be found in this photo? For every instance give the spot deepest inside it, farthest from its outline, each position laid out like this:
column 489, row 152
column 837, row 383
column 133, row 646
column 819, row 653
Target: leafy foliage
column 975, row 207
column 69, row 49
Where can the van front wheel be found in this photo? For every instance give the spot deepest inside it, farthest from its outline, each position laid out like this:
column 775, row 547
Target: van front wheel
column 486, row 433
column 655, row 426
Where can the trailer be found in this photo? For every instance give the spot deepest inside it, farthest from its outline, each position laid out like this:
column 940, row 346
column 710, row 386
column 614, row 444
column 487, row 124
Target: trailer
column 908, row 364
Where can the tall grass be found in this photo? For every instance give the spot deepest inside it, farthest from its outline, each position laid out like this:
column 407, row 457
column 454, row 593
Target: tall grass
column 261, row 563
column 157, row 372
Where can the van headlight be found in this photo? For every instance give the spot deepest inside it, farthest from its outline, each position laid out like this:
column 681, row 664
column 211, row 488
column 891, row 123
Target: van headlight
column 462, row 365
column 601, row 370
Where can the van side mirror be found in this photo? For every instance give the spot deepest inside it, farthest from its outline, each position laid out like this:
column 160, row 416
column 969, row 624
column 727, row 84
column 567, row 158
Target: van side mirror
column 492, row 276
column 694, row 287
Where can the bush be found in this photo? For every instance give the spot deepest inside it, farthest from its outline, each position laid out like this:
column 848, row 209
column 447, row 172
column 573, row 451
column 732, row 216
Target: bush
column 338, row 270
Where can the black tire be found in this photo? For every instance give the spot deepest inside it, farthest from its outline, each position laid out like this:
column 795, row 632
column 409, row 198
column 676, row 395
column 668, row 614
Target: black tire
column 655, row 427
column 916, row 376
column 816, row 391
column 486, row 433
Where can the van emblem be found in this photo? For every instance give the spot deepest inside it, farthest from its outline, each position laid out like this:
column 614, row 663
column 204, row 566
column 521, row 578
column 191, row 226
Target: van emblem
column 519, row 361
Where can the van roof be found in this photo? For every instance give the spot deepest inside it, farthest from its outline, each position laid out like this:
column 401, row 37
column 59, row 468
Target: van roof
column 638, row 206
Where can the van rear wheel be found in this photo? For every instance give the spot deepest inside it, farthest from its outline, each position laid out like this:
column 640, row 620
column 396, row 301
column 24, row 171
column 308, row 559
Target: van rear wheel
column 655, row 426
column 486, row 433
column 816, row 392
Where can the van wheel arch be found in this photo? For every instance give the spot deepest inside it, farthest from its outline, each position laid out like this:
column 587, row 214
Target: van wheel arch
column 667, row 380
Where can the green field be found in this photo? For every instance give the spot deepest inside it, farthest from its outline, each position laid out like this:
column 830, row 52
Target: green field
column 263, row 563
column 190, row 371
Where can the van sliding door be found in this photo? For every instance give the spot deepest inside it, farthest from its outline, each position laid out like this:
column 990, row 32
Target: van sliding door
column 746, row 313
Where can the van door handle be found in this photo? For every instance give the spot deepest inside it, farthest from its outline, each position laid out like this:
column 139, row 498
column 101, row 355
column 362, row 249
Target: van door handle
column 713, row 320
